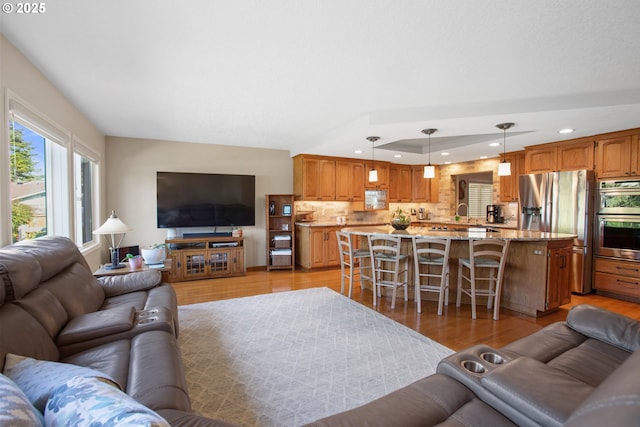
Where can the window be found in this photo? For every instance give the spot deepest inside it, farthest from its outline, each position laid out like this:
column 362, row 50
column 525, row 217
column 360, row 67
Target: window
column 38, row 183
column 480, row 195
column 85, row 171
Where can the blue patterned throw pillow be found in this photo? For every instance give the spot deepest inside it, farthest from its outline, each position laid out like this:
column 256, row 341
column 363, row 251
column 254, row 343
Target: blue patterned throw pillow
column 38, row 378
column 84, row 401
column 15, row 408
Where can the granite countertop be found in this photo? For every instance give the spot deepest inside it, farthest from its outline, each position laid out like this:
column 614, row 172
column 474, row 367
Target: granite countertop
column 334, row 224
column 478, row 223
column 462, row 234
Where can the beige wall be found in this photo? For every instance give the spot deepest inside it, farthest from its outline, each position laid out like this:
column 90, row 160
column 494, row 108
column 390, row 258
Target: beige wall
column 131, row 182
column 19, row 78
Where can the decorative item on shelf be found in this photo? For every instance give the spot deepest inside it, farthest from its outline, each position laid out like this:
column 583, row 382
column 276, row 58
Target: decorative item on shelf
column 286, row 210
column 135, row 261
column 236, row 232
column 154, row 254
column 112, row 226
column 504, row 168
column 272, row 208
column 373, row 173
column 429, row 170
column 400, row 220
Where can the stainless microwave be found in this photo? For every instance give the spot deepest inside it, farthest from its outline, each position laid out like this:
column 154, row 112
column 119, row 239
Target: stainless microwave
column 375, row 200
column 619, row 197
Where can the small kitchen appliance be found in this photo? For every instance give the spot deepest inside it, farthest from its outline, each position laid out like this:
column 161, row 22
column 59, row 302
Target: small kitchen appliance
column 494, row 214
column 421, row 214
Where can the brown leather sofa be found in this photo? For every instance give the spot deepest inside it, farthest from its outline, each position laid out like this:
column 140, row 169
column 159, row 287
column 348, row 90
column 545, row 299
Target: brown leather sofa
column 52, row 308
column 582, row 372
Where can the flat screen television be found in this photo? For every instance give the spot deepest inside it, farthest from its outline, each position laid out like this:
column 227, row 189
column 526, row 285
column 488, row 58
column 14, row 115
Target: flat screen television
column 205, row 200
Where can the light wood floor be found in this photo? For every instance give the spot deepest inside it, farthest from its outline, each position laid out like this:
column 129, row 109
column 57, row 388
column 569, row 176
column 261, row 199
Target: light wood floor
column 454, row 328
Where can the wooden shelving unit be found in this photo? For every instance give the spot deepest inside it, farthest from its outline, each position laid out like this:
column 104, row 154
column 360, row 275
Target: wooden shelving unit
column 197, row 258
column 280, row 227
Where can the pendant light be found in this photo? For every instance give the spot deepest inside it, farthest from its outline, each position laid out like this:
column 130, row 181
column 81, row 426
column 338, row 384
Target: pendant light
column 429, row 170
column 373, row 173
column 504, row 168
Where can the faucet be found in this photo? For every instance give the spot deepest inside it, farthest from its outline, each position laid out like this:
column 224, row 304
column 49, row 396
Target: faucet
column 458, row 210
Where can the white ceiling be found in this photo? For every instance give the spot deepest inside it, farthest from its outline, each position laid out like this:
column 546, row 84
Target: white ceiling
column 320, row 76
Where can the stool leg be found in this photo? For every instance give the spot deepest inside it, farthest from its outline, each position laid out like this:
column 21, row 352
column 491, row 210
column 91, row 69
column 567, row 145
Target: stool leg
column 492, row 281
column 416, row 284
column 459, row 293
column 473, row 293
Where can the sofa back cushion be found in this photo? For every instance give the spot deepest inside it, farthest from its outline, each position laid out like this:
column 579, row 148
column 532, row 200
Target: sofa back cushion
column 21, row 333
column 76, row 289
column 613, row 328
column 45, row 307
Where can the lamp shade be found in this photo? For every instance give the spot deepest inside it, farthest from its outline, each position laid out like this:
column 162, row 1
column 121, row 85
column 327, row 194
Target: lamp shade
column 429, row 171
column 504, row 169
column 373, row 175
column 113, row 225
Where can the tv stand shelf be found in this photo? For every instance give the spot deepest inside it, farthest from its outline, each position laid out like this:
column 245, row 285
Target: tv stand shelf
column 195, row 258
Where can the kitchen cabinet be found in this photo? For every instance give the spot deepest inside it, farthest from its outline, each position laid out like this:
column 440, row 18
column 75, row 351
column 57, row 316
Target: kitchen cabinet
column 317, row 247
column 424, row 189
column 537, row 277
column 570, row 155
column 314, row 178
column 617, row 157
column 205, row 258
column 509, row 184
column 576, row 155
column 383, row 174
column 617, row 278
column 349, row 180
column 399, row 183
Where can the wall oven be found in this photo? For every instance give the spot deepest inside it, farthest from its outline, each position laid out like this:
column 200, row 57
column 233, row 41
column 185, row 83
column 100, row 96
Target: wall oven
column 618, row 220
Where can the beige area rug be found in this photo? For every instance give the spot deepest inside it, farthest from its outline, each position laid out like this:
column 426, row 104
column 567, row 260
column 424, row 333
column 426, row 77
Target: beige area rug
column 289, row 358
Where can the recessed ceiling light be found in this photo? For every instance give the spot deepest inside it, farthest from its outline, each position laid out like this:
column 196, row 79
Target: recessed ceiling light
column 397, row 156
column 494, row 144
column 447, row 163
column 566, row 130
column 483, row 157
column 358, row 151
column 444, row 154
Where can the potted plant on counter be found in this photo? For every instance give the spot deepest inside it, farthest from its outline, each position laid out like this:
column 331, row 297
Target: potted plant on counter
column 400, row 220
column 154, row 254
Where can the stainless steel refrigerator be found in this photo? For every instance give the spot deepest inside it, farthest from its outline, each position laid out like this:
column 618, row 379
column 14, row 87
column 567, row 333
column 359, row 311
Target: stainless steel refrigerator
column 563, row 202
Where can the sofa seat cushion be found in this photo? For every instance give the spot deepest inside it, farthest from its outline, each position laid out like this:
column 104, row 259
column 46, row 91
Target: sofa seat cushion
column 542, row 393
column 615, row 402
column 135, row 299
column 112, row 359
column 39, row 378
column 91, row 402
column 431, row 401
column 15, row 407
column 591, row 362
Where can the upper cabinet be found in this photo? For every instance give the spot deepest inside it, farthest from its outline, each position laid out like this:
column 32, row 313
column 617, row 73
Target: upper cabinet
column 617, row 157
column 424, row 189
column 560, row 156
column 350, row 178
column 314, row 178
column 509, row 184
column 383, row 174
column 399, row 183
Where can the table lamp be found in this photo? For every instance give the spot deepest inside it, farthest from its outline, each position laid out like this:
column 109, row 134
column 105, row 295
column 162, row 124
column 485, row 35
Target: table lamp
column 112, row 226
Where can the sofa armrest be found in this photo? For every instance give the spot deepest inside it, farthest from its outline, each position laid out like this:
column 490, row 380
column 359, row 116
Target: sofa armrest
column 124, row 283
column 97, row 324
column 544, row 394
column 613, row 328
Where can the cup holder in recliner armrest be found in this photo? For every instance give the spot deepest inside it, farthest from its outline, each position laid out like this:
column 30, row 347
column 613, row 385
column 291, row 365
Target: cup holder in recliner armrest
column 473, row 367
column 492, row 358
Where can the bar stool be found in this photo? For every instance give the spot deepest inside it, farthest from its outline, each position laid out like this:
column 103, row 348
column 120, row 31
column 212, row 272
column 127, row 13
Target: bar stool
column 433, row 256
column 351, row 259
column 389, row 265
column 487, row 254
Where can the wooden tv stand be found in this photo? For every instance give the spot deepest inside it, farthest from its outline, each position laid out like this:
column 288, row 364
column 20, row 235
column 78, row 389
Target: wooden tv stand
column 197, row 258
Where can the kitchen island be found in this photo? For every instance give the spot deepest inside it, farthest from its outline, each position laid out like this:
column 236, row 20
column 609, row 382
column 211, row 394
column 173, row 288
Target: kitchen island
column 536, row 279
